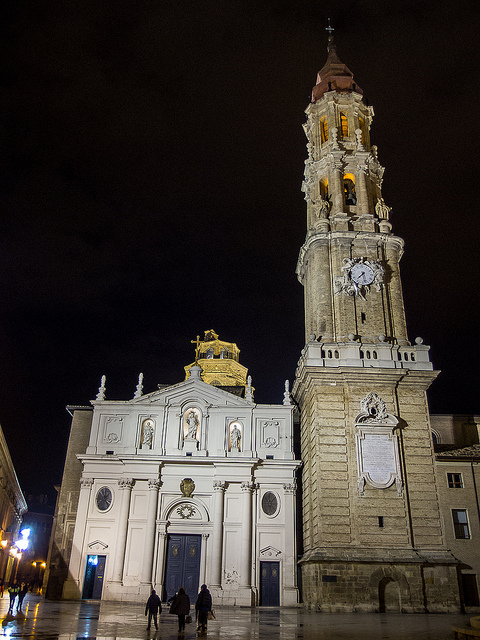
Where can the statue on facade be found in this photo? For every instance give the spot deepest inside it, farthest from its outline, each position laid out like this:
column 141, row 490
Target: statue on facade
column 235, row 437
column 192, row 425
column 147, row 435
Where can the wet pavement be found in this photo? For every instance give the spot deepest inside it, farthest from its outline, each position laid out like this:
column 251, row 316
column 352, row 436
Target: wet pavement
column 44, row 620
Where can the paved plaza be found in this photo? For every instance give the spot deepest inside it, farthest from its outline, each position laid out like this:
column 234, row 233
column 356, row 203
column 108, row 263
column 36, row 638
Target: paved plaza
column 116, row 621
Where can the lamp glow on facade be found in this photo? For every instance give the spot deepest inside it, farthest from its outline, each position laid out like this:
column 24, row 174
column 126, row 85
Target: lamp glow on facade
column 23, row 542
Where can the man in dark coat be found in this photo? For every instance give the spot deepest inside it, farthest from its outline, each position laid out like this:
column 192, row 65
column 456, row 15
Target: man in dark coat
column 203, row 605
column 153, row 607
column 181, row 606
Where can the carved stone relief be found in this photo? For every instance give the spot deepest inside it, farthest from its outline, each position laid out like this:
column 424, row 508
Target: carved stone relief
column 270, row 433
column 113, row 429
column 187, row 487
column 378, row 456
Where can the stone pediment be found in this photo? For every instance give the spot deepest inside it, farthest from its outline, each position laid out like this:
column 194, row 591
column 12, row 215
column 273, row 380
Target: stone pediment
column 192, row 390
column 270, row 552
column 97, row 545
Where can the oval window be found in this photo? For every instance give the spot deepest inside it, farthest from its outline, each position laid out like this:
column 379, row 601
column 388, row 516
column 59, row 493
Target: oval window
column 269, row 503
column 104, row 499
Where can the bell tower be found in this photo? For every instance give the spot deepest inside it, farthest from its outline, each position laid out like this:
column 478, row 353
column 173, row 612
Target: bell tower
column 373, row 535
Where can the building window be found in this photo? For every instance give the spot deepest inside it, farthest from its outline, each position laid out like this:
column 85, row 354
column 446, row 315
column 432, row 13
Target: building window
column 270, row 505
column 344, row 125
column 324, row 128
column 455, row 480
column 104, row 499
column 349, row 188
column 460, row 524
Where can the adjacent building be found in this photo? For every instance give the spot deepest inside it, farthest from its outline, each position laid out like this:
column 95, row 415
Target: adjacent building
column 457, row 446
column 12, row 508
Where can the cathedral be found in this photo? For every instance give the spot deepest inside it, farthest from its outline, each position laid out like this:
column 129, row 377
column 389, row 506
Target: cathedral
column 196, row 483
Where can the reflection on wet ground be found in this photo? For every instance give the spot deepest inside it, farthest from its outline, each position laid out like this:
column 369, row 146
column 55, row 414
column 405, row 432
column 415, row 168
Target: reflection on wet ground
column 46, row 620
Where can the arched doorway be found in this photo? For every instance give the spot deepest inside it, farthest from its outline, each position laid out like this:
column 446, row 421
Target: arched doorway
column 389, row 596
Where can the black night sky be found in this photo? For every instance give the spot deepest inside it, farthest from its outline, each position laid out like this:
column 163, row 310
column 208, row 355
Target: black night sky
column 152, row 158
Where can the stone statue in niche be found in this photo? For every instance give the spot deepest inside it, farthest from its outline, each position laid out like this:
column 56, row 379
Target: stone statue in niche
column 235, row 437
column 322, row 210
column 147, row 434
column 192, row 423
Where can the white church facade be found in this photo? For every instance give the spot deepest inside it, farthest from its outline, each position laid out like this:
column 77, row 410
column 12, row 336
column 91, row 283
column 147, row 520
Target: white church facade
column 186, row 485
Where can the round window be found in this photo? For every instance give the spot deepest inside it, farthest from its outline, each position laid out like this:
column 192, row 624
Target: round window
column 104, row 499
column 269, row 503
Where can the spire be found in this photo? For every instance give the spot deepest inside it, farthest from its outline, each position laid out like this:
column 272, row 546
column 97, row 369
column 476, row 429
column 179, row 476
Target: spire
column 334, row 75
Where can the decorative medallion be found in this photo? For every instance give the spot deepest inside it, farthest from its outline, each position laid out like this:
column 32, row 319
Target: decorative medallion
column 192, row 551
column 175, row 550
column 186, row 511
column 104, row 499
column 187, row 487
column 373, row 408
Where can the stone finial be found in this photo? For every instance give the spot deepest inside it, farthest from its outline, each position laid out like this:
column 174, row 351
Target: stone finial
column 101, row 389
column 359, row 135
column 249, row 390
column 334, row 135
column 195, row 372
column 286, row 395
column 139, row 390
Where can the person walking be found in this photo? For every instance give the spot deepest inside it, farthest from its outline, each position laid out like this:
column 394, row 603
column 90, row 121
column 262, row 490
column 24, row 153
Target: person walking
column 21, row 595
column 13, row 591
column 202, row 606
column 153, row 607
column 181, row 606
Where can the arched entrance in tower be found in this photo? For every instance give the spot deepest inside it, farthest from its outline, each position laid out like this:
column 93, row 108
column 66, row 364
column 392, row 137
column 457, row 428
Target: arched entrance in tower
column 389, row 597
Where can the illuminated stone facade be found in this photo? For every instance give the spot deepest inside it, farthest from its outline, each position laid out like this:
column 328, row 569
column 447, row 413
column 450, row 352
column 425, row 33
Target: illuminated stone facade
column 185, row 485
column 373, row 532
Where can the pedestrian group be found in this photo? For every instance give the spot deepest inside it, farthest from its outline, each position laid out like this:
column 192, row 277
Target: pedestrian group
column 180, row 606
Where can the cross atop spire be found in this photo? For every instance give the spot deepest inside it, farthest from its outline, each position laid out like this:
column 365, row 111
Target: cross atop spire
column 330, row 30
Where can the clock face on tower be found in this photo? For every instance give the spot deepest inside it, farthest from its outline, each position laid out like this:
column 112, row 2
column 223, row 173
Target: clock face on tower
column 362, row 274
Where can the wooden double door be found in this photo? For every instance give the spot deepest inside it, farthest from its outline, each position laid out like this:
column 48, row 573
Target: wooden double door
column 182, row 568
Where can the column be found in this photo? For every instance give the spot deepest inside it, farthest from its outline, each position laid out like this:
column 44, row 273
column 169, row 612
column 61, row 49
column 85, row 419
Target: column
column 217, row 534
column 162, row 545
column 71, row 587
column 290, row 591
column 335, row 187
column 203, row 562
column 153, row 487
column 361, row 190
column 246, row 544
column 125, row 486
